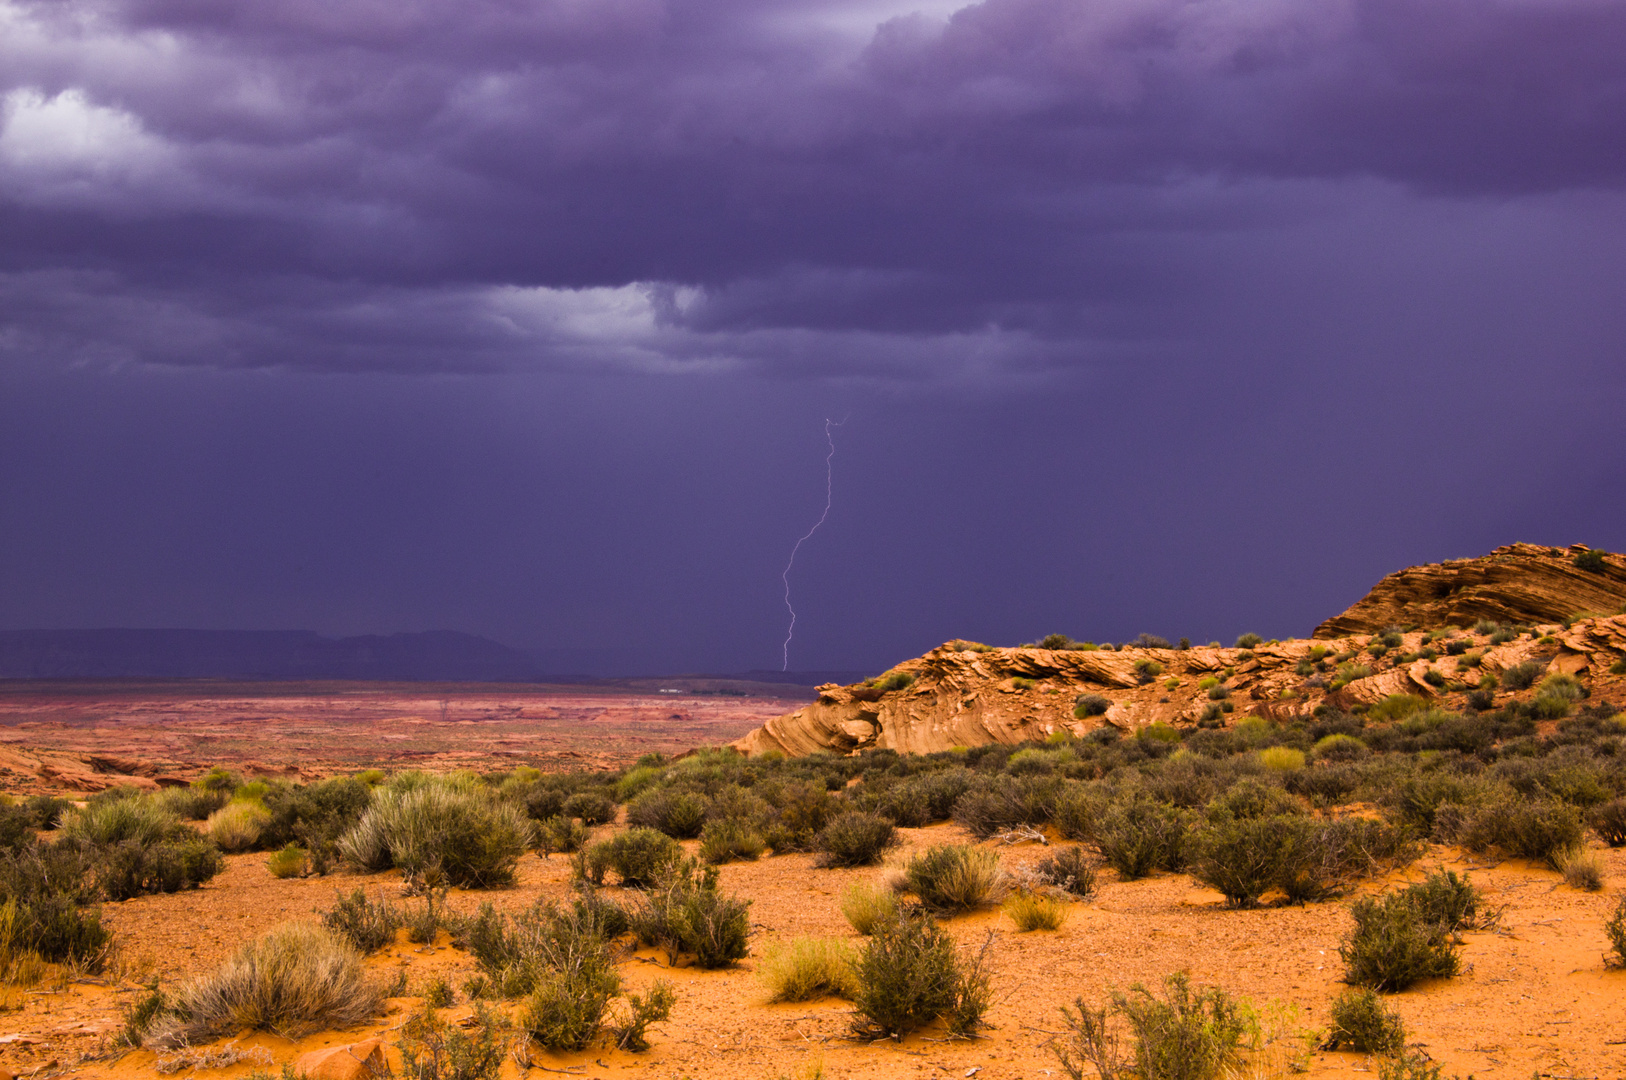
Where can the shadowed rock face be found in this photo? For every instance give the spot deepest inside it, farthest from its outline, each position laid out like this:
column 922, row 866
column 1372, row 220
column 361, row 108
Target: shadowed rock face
column 958, row 697
column 1519, row 583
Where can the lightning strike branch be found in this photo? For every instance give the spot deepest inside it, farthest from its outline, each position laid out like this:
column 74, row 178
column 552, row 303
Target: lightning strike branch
column 785, row 577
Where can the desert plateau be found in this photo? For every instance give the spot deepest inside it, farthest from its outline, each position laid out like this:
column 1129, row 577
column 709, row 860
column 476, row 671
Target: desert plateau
column 1395, row 848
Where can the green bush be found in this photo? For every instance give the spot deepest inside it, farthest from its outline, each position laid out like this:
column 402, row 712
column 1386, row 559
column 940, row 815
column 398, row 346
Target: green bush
column 573, row 984
column 728, row 839
column 855, row 839
column 806, row 969
column 1248, row 641
column 1244, row 857
column 1138, row 837
column 1185, row 1035
column 432, row 1049
column 1609, row 822
column 1542, row 830
column 590, row 807
column 440, row 829
column 1361, row 1022
column 237, row 825
column 1445, row 899
column 1523, row 675
column 560, row 833
column 296, row 979
column 1088, row 705
column 676, row 812
column 191, row 803
column 909, row 975
column 686, row 915
column 288, row 862
column 1393, row 946
column 368, row 925
column 1591, row 560
column 638, row 856
column 45, row 890
column 1615, row 930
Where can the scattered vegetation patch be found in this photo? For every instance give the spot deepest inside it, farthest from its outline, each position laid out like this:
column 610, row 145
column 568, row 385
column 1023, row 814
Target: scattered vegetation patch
column 806, row 969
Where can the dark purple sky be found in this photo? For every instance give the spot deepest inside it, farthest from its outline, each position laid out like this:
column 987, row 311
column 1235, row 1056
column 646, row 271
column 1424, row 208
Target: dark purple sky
column 523, row 317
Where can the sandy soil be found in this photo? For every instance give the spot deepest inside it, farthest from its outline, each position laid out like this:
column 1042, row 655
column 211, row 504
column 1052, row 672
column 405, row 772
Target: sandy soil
column 1534, row 998
column 87, row 735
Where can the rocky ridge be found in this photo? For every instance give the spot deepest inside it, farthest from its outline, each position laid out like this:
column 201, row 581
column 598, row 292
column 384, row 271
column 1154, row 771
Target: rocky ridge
column 1518, row 583
column 964, row 695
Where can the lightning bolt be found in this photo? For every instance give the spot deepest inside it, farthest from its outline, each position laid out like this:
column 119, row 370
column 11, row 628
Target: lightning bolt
column 829, row 475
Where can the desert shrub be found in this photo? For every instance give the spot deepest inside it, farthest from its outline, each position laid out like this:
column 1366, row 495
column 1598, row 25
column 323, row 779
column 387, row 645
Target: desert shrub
column 296, row 979
column 1035, row 911
column 438, row 993
column 1583, row 870
column 1219, row 692
column 638, row 856
column 677, row 812
column 1609, row 822
column 1446, row 899
column 806, row 969
column 1392, row 945
column 800, row 811
column 43, row 895
column 1281, row 758
column 218, row 778
column 1147, row 670
column 955, row 877
column 104, row 822
column 432, row 1049
column 288, row 862
column 867, row 905
column 574, row 982
column 440, row 829
column 368, row 925
column 1590, row 560
column 855, row 839
column 1361, row 1022
column 1543, row 830
column 1006, row 802
column 560, row 833
column 315, row 816
column 1250, row 798
column 590, row 808
column 131, row 868
column 1416, row 798
column 1341, row 747
column 1068, row 869
column 1248, row 641
column 1244, row 857
column 1523, row 675
column 191, row 803
column 1615, row 930
column 909, row 975
column 650, row 1007
column 1185, row 1035
column 16, row 827
column 1138, row 837
column 1075, row 811
column 687, row 915
column 237, row 825
column 1088, row 705
column 729, row 839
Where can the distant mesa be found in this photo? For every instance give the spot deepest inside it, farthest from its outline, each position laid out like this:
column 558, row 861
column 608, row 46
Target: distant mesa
column 1443, row 633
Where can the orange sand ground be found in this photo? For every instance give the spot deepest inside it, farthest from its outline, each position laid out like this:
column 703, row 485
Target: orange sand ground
column 1534, row 997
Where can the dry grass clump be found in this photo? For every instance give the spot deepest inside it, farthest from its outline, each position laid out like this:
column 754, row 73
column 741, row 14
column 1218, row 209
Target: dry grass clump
column 955, row 877
column 442, row 826
column 868, row 905
column 1036, row 911
column 807, row 969
column 1583, row 870
column 237, row 825
column 294, row 980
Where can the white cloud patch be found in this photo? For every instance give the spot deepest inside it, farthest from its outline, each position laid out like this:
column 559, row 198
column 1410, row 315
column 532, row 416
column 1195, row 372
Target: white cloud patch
column 64, row 149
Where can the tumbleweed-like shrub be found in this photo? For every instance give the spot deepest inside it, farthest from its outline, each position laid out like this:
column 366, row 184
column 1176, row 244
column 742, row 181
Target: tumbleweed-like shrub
column 442, row 827
column 955, row 877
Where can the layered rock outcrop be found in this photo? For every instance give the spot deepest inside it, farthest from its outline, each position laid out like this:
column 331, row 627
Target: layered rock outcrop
column 1519, row 583
column 957, row 695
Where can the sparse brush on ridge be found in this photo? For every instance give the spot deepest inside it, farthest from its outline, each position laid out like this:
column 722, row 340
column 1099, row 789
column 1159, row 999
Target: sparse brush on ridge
column 806, row 968
column 296, row 979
